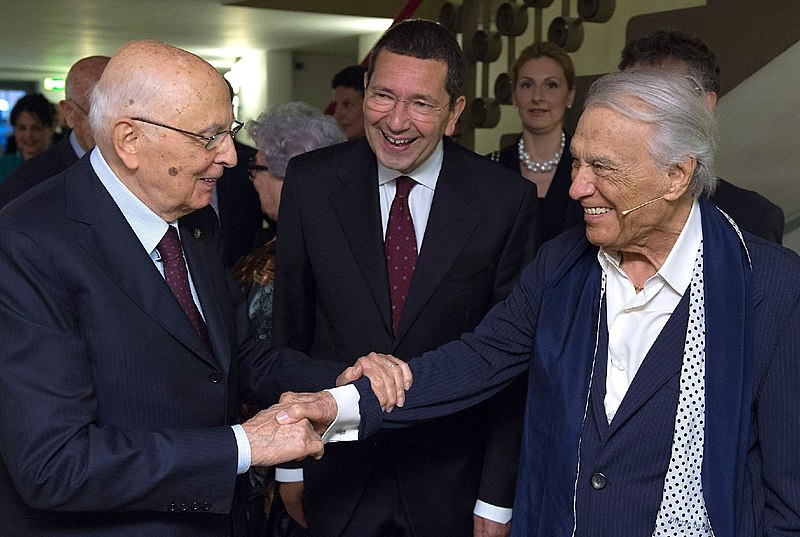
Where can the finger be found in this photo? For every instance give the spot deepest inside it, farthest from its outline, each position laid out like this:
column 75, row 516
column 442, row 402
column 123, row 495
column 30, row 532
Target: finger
column 349, row 375
column 402, row 377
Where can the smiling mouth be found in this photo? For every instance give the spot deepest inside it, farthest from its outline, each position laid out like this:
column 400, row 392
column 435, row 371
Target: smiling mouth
column 395, row 142
column 596, row 210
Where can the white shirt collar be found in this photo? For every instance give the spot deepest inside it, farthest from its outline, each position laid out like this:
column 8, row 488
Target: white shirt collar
column 76, row 147
column 677, row 268
column 148, row 226
column 427, row 174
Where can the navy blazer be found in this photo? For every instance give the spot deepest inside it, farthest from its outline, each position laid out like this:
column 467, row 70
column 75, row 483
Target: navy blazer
column 633, row 452
column 114, row 416
column 332, row 301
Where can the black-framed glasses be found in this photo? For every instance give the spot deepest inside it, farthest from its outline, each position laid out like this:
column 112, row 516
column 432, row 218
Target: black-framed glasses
column 211, row 141
column 252, row 168
column 380, row 101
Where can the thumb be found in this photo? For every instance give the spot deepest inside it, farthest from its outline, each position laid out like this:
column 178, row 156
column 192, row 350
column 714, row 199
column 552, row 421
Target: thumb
column 349, row 375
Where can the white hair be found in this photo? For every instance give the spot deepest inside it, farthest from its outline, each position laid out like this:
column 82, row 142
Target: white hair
column 682, row 123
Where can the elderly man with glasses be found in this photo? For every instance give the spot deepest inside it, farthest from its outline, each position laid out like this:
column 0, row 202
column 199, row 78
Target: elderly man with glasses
column 126, row 346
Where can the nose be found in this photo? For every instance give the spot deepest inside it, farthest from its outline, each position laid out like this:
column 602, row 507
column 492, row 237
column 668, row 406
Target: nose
column 582, row 183
column 537, row 94
column 227, row 152
column 397, row 118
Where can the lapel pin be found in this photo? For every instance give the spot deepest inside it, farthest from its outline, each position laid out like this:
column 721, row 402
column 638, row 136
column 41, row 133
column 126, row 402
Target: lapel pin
column 196, row 233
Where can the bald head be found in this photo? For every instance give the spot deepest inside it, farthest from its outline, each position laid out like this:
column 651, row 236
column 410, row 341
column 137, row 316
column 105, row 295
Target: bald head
column 150, row 79
column 81, row 80
column 162, row 119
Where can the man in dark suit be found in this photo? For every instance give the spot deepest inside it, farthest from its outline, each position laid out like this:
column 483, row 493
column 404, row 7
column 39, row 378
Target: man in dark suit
column 126, row 346
column 471, row 229
column 80, row 81
column 684, row 54
column 660, row 342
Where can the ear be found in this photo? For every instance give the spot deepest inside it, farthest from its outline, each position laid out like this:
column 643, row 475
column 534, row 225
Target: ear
column 680, row 176
column 66, row 113
column 455, row 113
column 711, row 100
column 571, row 98
column 126, row 138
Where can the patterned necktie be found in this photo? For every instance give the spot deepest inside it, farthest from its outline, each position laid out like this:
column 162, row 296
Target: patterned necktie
column 169, row 248
column 401, row 248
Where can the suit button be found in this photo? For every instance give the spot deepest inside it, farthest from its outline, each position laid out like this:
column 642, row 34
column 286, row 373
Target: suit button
column 598, row 481
column 206, row 506
column 215, row 377
column 195, row 506
column 172, row 507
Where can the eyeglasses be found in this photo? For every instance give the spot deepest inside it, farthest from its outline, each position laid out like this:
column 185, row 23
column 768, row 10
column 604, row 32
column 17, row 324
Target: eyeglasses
column 252, row 168
column 418, row 109
column 211, row 141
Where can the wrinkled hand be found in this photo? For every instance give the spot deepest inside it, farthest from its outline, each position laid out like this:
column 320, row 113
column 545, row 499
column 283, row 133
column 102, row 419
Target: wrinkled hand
column 272, row 443
column 483, row 527
column 319, row 408
column 388, row 376
column 292, row 498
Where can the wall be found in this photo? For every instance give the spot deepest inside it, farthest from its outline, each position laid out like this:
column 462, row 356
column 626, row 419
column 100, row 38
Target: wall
column 312, row 75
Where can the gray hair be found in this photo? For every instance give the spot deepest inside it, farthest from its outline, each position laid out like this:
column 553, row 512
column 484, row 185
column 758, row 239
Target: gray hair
column 682, row 123
column 291, row 129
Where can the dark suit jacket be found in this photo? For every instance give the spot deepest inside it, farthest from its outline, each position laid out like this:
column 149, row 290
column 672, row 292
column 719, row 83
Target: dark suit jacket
column 33, row 171
column 633, row 451
column 332, row 301
column 114, row 416
column 750, row 210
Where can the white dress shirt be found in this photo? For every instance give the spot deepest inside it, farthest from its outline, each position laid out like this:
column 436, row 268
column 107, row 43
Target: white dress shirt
column 635, row 319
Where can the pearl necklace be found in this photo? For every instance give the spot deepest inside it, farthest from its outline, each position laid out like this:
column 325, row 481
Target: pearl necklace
column 540, row 167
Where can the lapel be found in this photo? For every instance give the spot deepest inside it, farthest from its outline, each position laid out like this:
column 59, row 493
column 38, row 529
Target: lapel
column 455, row 212
column 200, row 251
column 113, row 245
column 358, row 211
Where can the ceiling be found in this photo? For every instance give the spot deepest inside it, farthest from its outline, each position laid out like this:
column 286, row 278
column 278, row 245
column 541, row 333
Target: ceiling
column 38, row 36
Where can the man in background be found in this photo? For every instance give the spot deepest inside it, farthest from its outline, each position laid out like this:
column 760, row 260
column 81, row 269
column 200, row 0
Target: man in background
column 81, row 79
column 348, row 100
column 688, row 55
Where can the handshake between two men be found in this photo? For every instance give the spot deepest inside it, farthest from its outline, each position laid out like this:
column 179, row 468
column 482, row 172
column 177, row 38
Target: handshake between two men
column 293, row 429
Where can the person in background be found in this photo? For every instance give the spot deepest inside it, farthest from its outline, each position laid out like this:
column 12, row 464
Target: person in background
column 348, row 100
column 544, row 87
column 688, row 55
column 80, row 81
column 32, row 118
column 280, row 134
column 399, row 241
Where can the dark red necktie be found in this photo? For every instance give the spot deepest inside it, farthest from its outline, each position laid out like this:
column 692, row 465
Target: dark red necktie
column 401, row 248
column 178, row 280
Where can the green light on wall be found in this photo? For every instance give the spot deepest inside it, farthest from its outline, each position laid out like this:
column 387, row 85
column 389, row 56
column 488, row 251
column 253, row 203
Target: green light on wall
column 53, row 84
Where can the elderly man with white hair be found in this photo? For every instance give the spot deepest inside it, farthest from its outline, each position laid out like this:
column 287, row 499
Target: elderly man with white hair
column 662, row 344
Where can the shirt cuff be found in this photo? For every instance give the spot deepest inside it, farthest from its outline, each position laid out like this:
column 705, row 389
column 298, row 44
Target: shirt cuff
column 348, row 416
column 288, row 475
column 501, row 515
column 243, row 445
